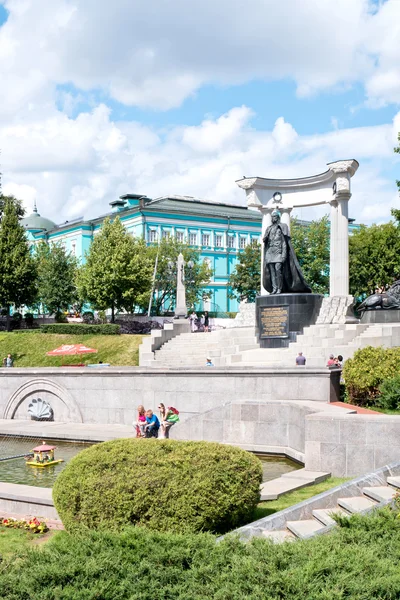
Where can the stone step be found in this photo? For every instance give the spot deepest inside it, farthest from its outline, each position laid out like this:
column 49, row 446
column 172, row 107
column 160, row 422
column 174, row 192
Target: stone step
column 314, row 476
column 306, row 528
column 381, row 493
column 271, row 490
column 279, row 536
column 393, row 481
column 356, row 504
column 324, row 515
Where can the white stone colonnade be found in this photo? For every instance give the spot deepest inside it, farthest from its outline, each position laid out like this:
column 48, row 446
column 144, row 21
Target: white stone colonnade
column 331, row 187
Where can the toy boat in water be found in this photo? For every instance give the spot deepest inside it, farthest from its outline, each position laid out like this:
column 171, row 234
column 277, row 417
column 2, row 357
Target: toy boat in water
column 43, row 456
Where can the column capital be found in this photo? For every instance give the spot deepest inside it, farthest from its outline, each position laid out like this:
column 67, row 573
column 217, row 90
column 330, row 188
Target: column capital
column 344, row 166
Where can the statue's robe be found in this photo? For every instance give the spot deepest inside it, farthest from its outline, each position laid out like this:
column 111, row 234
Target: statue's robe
column 293, row 278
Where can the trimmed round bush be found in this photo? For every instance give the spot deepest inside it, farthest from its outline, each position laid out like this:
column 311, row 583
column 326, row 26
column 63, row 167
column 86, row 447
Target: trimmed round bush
column 166, row 485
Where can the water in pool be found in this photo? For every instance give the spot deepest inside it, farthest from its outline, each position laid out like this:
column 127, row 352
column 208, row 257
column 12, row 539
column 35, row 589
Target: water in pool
column 16, row 471
column 275, row 466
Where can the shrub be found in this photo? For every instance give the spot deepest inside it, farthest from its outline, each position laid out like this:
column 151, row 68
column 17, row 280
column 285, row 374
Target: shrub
column 29, row 320
column 165, row 485
column 389, row 393
column 16, row 317
column 88, row 316
column 81, row 329
column 138, row 327
column 360, row 560
column 60, row 317
column 367, row 370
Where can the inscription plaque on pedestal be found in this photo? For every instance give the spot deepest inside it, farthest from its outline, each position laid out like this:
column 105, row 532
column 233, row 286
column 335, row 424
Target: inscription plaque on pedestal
column 274, row 321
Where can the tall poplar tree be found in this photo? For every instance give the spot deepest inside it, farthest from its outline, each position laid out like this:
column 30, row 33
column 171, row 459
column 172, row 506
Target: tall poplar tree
column 117, row 272
column 17, row 267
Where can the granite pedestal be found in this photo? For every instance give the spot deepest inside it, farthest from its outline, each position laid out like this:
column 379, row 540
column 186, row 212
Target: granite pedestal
column 280, row 318
column 384, row 316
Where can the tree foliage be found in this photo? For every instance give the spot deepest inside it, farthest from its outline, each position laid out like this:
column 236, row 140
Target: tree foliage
column 117, row 272
column 311, row 244
column 245, row 281
column 56, row 270
column 167, row 251
column 164, row 485
column 17, row 266
column 374, row 257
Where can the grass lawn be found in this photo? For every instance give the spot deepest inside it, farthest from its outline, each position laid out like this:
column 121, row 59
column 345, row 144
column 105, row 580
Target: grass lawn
column 387, row 411
column 29, row 349
column 270, row 507
column 14, row 541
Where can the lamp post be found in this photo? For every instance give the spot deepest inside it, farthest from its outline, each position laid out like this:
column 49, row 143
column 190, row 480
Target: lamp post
column 180, row 306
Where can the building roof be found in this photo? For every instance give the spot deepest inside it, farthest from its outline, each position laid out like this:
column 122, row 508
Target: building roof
column 34, row 222
column 202, row 207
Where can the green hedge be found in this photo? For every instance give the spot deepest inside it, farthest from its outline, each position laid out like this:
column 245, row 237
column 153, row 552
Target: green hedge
column 367, row 370
column 166, row 485
column 81, row 329
column 358, row 561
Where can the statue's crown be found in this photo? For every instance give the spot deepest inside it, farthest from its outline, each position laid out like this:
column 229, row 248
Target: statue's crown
column 276, row 213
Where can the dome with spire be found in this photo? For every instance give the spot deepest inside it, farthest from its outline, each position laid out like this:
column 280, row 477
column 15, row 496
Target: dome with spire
column 34, row 222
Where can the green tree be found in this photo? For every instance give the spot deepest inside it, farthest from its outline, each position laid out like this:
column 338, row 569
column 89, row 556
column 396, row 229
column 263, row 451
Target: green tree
column 311, row 244
column 245, row 280
column 56, row 270
column 166, row 252
column 117, row 272
column 374, row 257
column 18, row 276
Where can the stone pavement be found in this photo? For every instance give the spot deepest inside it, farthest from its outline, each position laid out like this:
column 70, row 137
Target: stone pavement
column 82, row 432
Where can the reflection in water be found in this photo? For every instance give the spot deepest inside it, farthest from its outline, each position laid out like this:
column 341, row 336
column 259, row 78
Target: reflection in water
column 275, row 466
column 16, row 471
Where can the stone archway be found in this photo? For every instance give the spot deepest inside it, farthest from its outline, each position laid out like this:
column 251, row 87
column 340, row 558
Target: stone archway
column 63, row 404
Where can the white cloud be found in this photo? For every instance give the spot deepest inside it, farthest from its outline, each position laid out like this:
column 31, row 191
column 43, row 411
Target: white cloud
column 157, row 54
column 76, row 166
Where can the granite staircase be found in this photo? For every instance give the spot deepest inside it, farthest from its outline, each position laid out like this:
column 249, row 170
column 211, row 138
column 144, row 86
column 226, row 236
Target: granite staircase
column 192, row 349
column 239, row 346
column 322, row 520
column 316, row 515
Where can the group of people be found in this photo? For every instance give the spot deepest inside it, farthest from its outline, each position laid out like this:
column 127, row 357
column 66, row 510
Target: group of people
column 149, row 425
column 332, row 360
column 199, row 324
column 8, row 361
column 335, row 361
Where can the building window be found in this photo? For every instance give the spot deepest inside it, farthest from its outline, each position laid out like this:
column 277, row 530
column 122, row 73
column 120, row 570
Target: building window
column 242, row 242
column 205, row 239
column 193, row 239
column 179, row 236
column 152, row 235
column 231, row 241
column 165, row 234
column 218, row 240
column 73, row 248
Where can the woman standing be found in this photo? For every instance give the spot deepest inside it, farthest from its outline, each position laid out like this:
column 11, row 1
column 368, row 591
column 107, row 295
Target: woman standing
column 206, row 321
column 167, row 418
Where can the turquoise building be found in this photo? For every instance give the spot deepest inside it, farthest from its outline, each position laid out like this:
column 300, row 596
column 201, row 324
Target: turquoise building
column 220, row 232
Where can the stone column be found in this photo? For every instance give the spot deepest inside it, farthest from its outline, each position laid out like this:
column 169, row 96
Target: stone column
column 285, row 215
column 333, row 243
column 342, row 249
column 180, row 309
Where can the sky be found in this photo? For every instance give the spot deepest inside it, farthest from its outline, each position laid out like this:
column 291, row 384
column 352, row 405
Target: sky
column 99, row 99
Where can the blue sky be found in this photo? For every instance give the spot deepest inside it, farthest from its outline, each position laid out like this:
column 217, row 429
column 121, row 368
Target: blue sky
column 104, row 101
